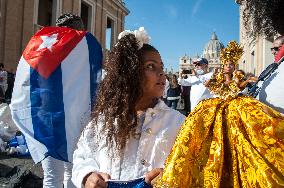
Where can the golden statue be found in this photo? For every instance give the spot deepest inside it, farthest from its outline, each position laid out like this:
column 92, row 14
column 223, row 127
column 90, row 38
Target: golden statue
column 228, row 141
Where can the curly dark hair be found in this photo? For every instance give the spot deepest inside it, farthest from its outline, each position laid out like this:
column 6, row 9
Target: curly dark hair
column 120, row 91
column 263, row 17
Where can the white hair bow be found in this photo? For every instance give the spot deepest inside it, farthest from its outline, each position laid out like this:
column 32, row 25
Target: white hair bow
column 141, row 36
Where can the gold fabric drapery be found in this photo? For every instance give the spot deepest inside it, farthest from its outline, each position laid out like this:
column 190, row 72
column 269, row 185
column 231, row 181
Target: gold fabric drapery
column 236, row 142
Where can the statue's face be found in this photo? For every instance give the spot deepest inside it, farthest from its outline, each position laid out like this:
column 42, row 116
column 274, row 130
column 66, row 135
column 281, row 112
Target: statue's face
column 229, row 67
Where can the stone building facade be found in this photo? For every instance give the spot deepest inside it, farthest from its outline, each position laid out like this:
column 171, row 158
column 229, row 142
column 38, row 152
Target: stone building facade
column 185, row 63
column 257, row 54
column 211, row 52
column 20, row 19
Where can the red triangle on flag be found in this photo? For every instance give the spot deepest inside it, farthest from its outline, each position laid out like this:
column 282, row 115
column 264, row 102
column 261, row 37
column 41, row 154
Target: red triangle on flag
column 49, row 47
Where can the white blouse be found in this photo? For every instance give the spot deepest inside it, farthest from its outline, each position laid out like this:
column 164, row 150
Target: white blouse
column 142, row 153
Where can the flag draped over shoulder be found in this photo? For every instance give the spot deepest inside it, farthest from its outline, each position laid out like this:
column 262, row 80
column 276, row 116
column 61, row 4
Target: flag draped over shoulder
column 54, row 90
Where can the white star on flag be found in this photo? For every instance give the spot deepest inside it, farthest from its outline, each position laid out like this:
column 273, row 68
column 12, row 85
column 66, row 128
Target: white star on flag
column 48, row 42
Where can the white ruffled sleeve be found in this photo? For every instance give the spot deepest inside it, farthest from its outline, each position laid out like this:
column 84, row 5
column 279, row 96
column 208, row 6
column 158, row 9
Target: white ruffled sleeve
column 84, row 158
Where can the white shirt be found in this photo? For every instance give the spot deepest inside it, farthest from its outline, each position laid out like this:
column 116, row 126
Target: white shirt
column 141, row 155
column 198, row 90
column 272, row 91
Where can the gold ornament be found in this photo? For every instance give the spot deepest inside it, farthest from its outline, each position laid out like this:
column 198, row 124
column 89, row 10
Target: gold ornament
column 227, row 143
column 217, row 85
column 232, row 52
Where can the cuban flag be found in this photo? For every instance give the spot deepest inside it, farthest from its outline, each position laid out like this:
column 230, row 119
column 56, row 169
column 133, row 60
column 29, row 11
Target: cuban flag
column 54, row 90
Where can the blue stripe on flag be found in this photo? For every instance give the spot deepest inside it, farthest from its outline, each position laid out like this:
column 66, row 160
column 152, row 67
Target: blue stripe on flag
column 47, row 110
column 95, row 59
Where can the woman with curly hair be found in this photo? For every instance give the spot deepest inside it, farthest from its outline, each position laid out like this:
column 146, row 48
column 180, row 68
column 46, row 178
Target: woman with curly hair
column 132, row 130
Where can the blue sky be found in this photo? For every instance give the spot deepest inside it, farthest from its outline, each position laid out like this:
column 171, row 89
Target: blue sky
column 177, row 27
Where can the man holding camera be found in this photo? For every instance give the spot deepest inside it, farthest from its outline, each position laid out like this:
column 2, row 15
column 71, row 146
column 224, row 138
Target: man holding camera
column 199, row 75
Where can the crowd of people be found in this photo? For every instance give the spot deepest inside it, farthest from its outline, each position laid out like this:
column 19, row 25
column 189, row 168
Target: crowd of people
column 136, row 137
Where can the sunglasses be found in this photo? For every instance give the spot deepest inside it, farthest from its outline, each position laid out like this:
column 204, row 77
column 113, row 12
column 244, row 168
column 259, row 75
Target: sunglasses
column 276, row 49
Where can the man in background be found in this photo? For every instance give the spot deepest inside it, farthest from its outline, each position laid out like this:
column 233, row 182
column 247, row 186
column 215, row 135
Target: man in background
column 265, row 17
column 196, row 80
column 277, row 44
column 272, row 89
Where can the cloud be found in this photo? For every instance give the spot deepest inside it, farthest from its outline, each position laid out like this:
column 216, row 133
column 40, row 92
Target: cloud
column 196, row 7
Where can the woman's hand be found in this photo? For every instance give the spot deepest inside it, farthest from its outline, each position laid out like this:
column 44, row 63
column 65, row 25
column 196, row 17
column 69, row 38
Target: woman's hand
column 96, row 180
column 150, row 176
